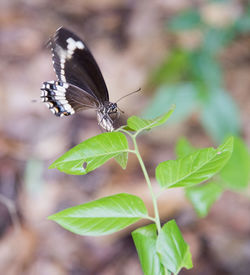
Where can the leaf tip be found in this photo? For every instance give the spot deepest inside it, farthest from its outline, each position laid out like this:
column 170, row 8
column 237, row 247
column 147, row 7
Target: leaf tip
column 172, row 107
column 51, row 217
column 52, row 166
column 228, row 144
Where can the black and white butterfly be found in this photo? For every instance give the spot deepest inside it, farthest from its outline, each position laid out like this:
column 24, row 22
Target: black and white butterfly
column 80, row 82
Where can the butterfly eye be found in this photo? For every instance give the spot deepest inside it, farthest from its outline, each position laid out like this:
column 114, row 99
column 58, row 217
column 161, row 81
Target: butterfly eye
column 113, row 106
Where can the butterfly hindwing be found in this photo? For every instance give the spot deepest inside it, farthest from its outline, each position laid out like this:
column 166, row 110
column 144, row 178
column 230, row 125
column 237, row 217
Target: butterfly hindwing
column 74, row 64
column 64, row 99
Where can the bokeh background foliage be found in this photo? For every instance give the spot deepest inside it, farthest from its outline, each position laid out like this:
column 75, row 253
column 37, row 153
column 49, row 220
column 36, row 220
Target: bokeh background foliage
column 194, row 54
column 194, row 77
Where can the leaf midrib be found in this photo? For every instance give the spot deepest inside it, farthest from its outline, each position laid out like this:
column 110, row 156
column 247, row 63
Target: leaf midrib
column 93, row 156
column 194, row 171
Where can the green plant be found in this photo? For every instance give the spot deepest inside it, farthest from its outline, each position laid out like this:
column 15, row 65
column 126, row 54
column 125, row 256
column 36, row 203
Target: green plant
column 235, row 176
column 161, row 249
column 193, row 78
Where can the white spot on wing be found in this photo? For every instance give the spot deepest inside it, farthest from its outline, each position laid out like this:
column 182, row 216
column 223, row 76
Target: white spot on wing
column 60, row 94
column 72, row 44
column 61, row 89
column 62, row 101
column 59, row 97
column 49, row 104
column 63, row 77
column 44, row 93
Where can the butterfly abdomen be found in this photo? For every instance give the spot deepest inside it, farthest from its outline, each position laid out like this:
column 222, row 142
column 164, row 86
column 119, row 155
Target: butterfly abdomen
column 104, row 120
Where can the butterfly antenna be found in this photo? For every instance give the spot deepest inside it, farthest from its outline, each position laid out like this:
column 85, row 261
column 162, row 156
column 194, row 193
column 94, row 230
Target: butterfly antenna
column 120, row 110
column 128, row 94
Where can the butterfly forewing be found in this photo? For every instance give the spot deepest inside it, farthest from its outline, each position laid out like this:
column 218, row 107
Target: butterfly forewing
column 74, row 63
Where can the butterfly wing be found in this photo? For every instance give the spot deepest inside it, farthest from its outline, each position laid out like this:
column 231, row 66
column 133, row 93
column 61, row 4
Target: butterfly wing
column 64, row 99
column 74, row 64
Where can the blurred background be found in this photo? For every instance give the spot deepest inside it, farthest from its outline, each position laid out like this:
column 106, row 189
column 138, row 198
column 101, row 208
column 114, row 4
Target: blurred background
column 195, row 54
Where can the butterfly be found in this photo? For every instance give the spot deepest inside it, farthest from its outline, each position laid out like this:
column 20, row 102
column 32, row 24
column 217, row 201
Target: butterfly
column 80, row 83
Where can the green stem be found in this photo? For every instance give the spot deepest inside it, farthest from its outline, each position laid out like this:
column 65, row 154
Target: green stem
column 157, row 218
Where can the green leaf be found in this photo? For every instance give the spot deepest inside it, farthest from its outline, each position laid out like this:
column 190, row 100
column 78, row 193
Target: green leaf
column 203, row 196
column 173, row 68
column 122, row 159
column 242, row 24
column 187, row 20
column 173, row 251
column 184, row 95
column 236, row 172
column 217, row 38
column 195, row 168
column 145, row 242
column 183, row 148
column 102, row 216
column 139, row 124
column 92, row 153
column 220, row 116
column 205, row 69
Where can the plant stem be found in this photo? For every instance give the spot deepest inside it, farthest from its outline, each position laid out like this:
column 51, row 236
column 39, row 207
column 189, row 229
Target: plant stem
column 144, row 170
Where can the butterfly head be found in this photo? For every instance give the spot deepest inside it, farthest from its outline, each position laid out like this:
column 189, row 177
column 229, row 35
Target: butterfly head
column 111, row 108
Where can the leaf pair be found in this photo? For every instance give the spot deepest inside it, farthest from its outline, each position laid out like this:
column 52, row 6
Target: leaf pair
column 194, row 168
column 122, row 210
column 234, row 175
column 167, row 251
column 111, row 214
